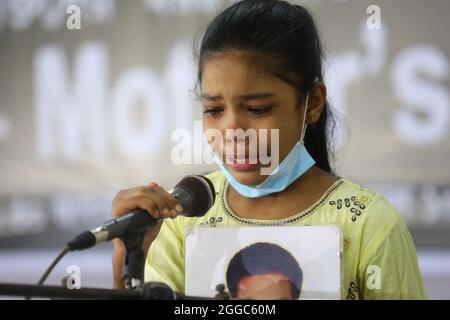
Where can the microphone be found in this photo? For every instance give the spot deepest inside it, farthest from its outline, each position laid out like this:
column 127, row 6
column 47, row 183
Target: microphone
column 195, row 193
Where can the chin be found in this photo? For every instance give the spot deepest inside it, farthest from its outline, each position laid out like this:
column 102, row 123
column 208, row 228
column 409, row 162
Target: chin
column 248, row 178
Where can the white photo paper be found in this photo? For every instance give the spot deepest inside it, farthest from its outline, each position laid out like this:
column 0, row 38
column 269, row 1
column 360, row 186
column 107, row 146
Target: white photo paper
column 282, row 262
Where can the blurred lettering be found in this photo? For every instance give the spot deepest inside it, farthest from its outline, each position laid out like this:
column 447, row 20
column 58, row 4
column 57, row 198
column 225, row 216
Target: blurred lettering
column 68, row 114
column 424, row 118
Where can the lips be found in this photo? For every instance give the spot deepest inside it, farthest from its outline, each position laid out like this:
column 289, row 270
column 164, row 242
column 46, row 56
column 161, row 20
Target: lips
column 241, row 163
column 240, row 160
column 243, row 167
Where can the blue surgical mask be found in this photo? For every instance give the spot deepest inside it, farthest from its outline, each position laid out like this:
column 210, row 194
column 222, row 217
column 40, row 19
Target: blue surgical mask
column 295, row 164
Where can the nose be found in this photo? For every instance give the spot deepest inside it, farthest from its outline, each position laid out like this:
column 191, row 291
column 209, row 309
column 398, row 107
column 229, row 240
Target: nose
column 231, row 124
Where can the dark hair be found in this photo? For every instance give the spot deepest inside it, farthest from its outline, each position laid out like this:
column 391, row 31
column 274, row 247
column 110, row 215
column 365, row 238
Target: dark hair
column 264, row 258
column 286, row 45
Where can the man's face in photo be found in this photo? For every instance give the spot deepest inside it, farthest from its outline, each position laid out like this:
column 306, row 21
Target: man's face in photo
column 264, row 287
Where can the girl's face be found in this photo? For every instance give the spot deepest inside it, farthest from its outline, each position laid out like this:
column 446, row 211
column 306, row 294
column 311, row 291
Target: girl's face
column 236, row 96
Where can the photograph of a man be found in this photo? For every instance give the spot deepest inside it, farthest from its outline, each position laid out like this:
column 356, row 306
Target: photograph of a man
column 264, row 271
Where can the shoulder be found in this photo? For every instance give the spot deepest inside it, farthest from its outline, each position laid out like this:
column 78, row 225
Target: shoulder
column 369, row 216
column 365, row 206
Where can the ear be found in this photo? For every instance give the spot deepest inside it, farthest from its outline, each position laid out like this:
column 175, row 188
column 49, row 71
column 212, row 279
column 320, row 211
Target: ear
column 316, row 102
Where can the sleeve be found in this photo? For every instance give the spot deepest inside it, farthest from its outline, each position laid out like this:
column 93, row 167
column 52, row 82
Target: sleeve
column 165, row 258
column 388, row 267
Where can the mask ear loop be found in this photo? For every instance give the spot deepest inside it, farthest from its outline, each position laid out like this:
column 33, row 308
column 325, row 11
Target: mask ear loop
column 305, row 125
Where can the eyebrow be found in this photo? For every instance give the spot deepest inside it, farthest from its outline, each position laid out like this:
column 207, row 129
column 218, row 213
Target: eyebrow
column 245, row 97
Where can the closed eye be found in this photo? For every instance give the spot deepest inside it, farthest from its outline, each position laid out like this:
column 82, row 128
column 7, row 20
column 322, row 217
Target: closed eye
column 214, row 112
column 259, row 110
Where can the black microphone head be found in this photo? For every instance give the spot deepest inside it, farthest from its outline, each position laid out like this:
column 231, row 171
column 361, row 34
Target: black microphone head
column 201, row 192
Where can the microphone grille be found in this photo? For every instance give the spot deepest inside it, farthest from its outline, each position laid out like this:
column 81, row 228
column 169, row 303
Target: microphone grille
column 202, row 191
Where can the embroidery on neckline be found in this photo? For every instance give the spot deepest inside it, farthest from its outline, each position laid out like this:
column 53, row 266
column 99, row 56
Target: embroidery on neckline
column 294, row 218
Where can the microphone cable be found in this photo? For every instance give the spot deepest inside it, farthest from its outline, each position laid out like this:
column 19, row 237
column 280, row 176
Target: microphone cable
column 51, row 267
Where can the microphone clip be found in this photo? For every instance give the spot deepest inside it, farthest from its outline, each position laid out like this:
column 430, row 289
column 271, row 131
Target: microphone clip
column 134, row 261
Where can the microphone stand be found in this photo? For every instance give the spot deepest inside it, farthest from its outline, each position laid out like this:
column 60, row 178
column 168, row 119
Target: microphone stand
column 150, row 291
column 133, row 265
